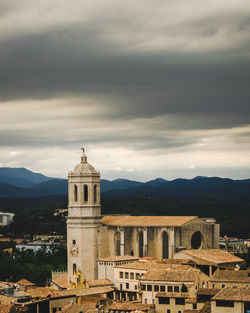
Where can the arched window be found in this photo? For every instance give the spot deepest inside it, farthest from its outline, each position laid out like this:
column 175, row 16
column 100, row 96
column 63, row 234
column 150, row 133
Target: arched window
column 118, row 244
column 95, row 193
column 74, row 268
column 85, row 193
column 75, row 192
column 196, row 240
column 132, row 252
column 140, row 244
column 164, row 245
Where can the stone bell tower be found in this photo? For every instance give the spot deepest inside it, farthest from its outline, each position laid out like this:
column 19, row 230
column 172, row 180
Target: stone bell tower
column 84, row 219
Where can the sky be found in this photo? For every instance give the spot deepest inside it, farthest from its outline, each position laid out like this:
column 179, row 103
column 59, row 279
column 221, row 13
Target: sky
column 149, row 88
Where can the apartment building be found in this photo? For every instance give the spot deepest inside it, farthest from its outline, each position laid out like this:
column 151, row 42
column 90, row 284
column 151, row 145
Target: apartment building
column 232, row 300
column 232, row 278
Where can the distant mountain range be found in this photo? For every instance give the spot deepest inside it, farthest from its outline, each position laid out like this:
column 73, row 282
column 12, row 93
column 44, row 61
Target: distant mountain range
column 20, row 182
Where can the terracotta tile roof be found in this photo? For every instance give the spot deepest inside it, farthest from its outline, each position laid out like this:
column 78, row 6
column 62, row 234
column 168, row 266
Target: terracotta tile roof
column 42, row 292
column 231, row 276
column 208, row 291
column 184, row 274
column 100, row 282
column 119, row 258
column 5, row 300
column 9, row 250
column 213, row 256
column 61, row 281
column 25, row 282
column 86, row 291
column 206, row 308
column 177, row 261
column 235, row 294
column 126, row 220
column 76, row 308
column 142, row 265
column 6, row 308
column 172, row 295
column 129, row 306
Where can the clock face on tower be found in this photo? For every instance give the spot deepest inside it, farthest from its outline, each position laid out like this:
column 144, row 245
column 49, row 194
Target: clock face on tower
column 74, row 250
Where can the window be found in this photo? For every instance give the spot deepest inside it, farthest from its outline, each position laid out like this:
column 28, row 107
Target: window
column 121, row 274
column 164, row 300
column 74, row 268
column 135, row 287
column 74, row 242
column 54, row 310
column 85, row 193
column 132, row 275
column 162, row 288
column 156, row 288
column 146, row 301
column 179, row 311
column 170, row 288
column 137, row 275
column 180, row 301
column 184, row 288
column 127, row 285
column 194, row 306
column 120, row 286
column 176, row 289
column 95, row 193
column 222, row 286
column 75, row 192
column 59, row 309
column 126, row 275
column 168, row 311
column 149, row 287
column 225, row 303
column 143, row 287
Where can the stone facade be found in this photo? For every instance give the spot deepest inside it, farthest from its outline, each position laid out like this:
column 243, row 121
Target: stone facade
column 91, row 236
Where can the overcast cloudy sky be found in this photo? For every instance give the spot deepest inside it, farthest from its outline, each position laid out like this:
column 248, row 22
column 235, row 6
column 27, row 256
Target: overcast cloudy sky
column 150, row 88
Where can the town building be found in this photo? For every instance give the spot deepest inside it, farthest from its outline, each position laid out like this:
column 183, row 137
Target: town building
column 91, row 236
column 231, row 300
column 106, row 265
column 6, row 218
column 232, row 278
column 208, row 260
column 172, row 281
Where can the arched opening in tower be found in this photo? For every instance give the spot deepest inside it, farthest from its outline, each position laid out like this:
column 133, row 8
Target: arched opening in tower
column 95, row 193
column 85, row 193
column 75, row 193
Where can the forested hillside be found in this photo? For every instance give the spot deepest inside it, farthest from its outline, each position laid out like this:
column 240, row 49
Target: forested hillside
column 36, row 215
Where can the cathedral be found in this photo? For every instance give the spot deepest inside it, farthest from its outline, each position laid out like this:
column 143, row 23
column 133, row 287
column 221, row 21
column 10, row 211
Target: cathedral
column 92, row 236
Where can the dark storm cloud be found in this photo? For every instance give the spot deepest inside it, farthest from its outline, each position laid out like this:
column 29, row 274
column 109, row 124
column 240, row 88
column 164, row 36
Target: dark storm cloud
column 151, row 90
column 210, row 88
